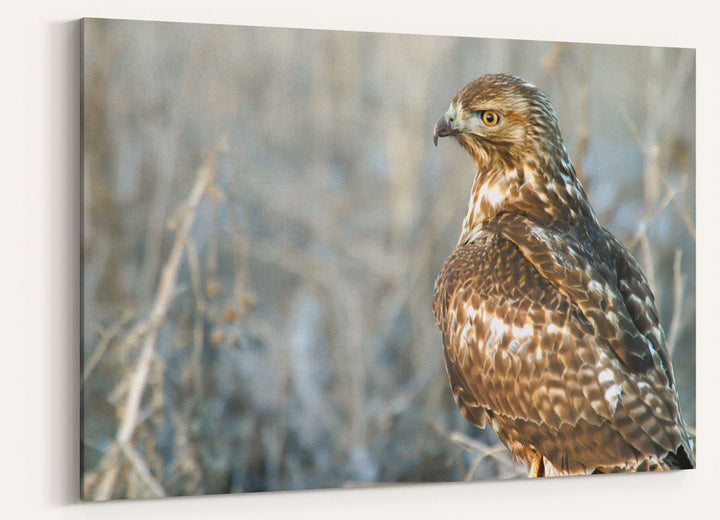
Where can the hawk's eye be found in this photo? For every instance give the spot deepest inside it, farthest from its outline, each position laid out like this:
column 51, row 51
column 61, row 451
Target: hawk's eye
column 490, row 118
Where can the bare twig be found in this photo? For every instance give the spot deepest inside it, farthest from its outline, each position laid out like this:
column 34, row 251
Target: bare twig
column 678, row 297
column 650, row 153
column 141, row 469
column 149, row 330
column 480, row 456
column 107, row 337
column 498, row 452
column 108, row 468
column 193, row 368
column 675, row 86
column 642, row 226
column 162, row 300
column 684, row 214
column 648, row 261
column 582, row 82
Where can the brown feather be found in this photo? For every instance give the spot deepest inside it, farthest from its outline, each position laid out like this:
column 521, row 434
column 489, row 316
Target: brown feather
column 549, row 326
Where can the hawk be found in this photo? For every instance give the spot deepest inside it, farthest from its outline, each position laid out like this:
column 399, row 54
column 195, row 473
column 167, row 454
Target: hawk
column 550, row 330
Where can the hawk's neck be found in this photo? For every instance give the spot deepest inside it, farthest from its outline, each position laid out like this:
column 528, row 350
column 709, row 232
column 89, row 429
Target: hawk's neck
column 550, row 195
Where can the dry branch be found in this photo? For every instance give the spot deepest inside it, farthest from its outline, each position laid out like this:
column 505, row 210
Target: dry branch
column 678, row 299
column 650, row 151
column 193, row 369
column 162, row 300
column 474, row 445
column 148, row 330
column 498, row 452
column 105, row 340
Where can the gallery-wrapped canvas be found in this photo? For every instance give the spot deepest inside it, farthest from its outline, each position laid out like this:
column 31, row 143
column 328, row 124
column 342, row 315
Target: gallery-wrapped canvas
column 265, row 216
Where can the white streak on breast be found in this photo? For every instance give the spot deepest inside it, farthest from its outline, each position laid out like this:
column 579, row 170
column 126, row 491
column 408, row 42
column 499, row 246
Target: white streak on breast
column 612, row 396
column 466, row 333
column 606, row 376
column 498, row 327
column 522, row 332
column 494, row 195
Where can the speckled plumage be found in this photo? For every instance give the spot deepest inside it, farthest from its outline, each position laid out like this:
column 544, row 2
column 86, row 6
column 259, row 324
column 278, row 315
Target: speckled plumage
column 550, row 329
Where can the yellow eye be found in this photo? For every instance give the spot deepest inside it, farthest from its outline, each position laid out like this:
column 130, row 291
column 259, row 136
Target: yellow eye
column 490, row 118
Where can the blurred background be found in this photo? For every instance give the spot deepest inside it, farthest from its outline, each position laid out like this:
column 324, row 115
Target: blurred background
column 264, row 218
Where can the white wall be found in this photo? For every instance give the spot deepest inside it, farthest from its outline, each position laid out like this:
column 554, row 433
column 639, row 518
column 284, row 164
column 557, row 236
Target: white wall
column 39, row 207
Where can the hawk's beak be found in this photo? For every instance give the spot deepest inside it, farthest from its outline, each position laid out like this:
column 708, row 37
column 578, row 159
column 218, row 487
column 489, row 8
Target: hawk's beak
column 443, row 129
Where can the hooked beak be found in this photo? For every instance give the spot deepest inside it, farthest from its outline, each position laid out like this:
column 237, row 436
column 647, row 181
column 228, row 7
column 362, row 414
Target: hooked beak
column 443, row 129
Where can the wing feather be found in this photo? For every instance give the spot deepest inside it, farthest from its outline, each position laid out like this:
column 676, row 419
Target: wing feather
column 531, row 343
column 586, row 271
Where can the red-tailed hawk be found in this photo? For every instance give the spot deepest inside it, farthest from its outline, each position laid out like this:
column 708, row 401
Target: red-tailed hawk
column 550, row 329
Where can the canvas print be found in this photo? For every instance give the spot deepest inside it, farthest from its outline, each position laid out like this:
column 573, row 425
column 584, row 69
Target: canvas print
column 322, row 259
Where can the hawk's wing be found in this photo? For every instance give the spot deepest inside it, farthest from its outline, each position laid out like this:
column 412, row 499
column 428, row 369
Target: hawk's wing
column 555, row 343
column 603, row 280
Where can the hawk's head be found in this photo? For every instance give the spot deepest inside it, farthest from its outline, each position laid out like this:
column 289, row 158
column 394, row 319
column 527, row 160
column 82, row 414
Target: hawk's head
column 512, row 133
column 498, row 116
